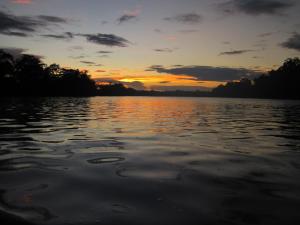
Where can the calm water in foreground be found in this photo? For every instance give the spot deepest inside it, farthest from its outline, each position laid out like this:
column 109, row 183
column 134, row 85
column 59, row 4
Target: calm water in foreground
column 144, row 160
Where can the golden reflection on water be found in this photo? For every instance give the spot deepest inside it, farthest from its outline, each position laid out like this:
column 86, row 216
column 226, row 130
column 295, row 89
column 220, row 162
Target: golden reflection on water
column 154, row 115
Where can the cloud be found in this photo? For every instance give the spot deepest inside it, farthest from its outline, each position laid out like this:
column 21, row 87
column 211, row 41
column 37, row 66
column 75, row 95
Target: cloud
column 129, row 15
column 181, row 88
column 154, row 68
column 9, row 22
column 168, row 50
column 89, row 63
column 106, row 39
column 256, row 7
column 22, row 25
column 177, row 65
column 22, row 2
column 156, row 30
column 207, row 73
column 265, row 34
column 105, row 52
column 236, row 52
column 75, row 48
column 137, row 85
column 15, row 33
column 293, row 42
column 226, row 43
column 125, row 18
column 77, row 57
column 188, row 18
column 66, row 35
column 52, row 19
column 100, row 71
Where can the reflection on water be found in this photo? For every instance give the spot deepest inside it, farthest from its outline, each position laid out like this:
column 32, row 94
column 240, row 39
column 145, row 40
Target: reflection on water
column 143, row 160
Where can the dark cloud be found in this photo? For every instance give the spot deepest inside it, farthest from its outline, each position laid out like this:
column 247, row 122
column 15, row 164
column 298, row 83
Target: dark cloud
column 236, row 52
column 137, row 85
column 125, row 18
column 293, row 42
column 165, row 82
column 52, row 19
column 89, row 63
column 265, row 34
column 106, row 39
column 100, row 71
column 15, row 33
column 207, row 73
column 154, row 67
column 66, row 35
column 105, row 52
column 168, row 50
column 256, row 7
column 9, row 22
column 21, row 25
column 103, row 56
column 177, row 65
column 77, row 57
column 226, row 42
column 188, row 18
column 181, row 88
column 157, row 30
column 129, row 15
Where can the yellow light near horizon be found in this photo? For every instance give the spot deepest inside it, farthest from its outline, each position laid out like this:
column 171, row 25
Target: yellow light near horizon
column 151, row 78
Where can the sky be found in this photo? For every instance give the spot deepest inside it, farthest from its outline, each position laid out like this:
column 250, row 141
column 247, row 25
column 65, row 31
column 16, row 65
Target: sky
column 155, row 44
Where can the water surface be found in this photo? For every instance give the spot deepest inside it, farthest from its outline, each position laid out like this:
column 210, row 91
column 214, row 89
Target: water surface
column 144, row 160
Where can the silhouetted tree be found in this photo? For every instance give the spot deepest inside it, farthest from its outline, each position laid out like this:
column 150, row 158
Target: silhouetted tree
column 7, row 81
column 116, row 89
column 6, row 65
column 28, row 75
column 280, row 83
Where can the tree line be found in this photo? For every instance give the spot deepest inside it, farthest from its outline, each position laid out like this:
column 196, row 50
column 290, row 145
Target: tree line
column 29, row 76
column 281, row 83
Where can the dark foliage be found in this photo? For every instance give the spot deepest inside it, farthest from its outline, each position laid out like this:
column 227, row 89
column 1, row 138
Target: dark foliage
column 29, row 76
column 282, row 83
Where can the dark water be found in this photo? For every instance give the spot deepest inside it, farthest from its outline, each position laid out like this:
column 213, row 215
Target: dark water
column 142, row 160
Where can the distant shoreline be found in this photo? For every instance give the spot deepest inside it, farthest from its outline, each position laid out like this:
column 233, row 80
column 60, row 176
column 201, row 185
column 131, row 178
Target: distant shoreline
column 29, row 76
column 158, row 96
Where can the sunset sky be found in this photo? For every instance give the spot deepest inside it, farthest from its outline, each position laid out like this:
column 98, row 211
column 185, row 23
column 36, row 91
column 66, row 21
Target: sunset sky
column 155, row 44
